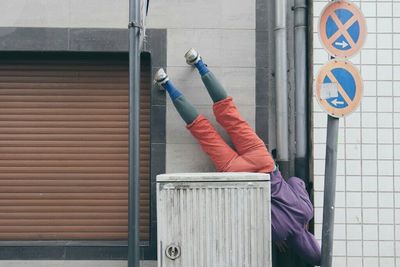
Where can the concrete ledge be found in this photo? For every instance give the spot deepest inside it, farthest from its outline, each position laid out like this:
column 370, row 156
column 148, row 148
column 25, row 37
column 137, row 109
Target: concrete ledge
column 73, row 264
column 213, row 177
column 63, row 39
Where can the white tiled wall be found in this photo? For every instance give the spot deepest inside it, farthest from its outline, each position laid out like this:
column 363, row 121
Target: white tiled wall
column 367, row 218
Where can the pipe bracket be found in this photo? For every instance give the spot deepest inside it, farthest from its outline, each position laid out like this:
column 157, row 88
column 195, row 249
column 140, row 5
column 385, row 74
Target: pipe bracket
column 133, row 24
column 279, row 29
column 299, row 6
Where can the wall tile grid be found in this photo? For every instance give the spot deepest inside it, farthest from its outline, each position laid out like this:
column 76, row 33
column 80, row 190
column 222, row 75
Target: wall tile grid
column 367, row 219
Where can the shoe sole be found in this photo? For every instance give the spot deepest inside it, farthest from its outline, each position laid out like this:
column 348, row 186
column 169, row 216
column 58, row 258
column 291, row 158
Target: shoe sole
column 162, row 80
column 195, row 60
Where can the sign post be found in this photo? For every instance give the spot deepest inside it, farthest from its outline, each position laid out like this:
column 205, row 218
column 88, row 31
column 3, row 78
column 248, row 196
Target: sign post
column 339, row 92
column 329, row 191
column 342, row 31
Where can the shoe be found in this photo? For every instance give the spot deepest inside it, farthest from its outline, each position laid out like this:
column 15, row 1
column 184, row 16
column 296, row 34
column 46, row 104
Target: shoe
column 161, row 77
column 192, row 57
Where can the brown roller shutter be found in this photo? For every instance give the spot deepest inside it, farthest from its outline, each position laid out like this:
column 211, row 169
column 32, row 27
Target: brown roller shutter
column 64, row 148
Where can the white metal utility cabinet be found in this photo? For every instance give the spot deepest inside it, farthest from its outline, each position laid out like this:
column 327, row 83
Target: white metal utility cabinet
column 214, row 220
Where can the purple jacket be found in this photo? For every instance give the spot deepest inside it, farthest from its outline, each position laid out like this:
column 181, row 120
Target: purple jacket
column 291, row 210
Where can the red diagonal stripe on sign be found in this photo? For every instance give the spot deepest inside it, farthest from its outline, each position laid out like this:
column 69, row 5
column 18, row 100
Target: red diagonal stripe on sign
column 340, row 88
column 342, row 29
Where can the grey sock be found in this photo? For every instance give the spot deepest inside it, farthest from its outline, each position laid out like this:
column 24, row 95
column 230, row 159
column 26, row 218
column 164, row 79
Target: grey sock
column 214, row 87
column 187, row 111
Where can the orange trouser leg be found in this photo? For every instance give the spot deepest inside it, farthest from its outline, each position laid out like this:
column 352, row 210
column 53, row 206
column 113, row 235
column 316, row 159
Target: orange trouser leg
column 223, row 156
column 248, row 145
column 212, row 143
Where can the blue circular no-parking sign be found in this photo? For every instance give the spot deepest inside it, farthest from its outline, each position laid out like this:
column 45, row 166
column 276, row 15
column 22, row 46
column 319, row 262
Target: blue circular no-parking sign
column 339, row 88
column 342, row 29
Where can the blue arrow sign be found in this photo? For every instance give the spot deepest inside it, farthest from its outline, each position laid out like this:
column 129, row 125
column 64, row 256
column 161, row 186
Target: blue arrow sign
column 346, row 80
column 339, row 88
column 349, row 33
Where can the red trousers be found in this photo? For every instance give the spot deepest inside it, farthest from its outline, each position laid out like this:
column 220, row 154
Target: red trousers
column 291, row 207
column 251, row 155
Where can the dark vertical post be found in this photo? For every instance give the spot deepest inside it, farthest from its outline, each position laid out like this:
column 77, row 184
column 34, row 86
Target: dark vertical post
column 329, row 191
column 134, row 108
column 301, row 94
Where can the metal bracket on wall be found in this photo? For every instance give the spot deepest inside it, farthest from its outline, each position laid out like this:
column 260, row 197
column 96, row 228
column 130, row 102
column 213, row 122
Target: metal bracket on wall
column 299, row 6
column 134, row 24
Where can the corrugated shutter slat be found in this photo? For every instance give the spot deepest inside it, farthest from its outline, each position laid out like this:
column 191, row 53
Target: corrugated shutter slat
column 64, row 149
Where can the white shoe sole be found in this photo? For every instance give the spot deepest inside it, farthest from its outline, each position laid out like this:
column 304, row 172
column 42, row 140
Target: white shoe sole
column 192, row 57
column 160, row 77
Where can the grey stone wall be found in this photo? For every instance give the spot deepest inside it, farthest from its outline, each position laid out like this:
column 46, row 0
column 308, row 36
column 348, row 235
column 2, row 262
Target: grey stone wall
column 224, row 33
column 73, row 264
column 64, row 13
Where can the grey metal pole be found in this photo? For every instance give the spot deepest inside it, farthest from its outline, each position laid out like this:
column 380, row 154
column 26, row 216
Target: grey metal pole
column 282, row 134
column 134, row 109
column 300, row 39
column 329, row 191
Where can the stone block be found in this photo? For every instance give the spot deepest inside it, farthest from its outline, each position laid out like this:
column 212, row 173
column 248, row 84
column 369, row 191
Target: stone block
column 38, row 13
column 99, row 14
column 187, row 158
column 99, row 40
column 223, row 48
column 229, row 14
column 49, row 263
column 33, row 39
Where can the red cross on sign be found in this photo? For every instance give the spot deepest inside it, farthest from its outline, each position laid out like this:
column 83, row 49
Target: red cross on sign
column 342, row 29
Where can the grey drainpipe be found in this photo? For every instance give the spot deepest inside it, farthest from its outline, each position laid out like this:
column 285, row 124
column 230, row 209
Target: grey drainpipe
column 134, row 102
column 300, row 39
column 282, row 129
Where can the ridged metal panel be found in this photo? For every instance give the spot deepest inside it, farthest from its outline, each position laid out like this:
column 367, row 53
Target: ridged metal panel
column 64, row 149
column 216, row 224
